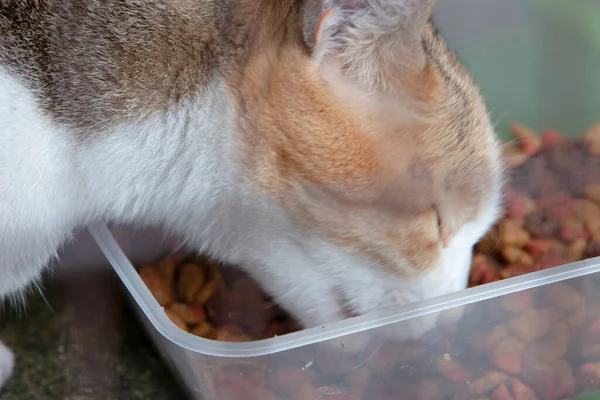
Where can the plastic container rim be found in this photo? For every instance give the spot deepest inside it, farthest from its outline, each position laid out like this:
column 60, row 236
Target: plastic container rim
column 337, row 330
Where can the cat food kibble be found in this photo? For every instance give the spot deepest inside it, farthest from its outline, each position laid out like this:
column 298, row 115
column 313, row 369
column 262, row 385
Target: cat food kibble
column 539, row 344
column 200, row 300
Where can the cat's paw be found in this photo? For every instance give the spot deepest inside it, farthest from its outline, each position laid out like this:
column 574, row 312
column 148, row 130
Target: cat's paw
column 7, row 363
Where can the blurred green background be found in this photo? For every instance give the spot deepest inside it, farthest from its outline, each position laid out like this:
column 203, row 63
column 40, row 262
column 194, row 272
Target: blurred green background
column 536, row 61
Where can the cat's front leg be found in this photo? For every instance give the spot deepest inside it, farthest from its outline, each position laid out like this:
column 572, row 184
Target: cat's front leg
column 29, row 240
column 39, row 194
column 7, row 363
column 24, row 253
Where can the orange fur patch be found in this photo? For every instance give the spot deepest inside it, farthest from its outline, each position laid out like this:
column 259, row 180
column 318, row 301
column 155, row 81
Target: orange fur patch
column 339, row 159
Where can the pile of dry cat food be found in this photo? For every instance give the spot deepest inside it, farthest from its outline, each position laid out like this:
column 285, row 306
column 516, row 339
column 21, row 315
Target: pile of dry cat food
column 552, row 206
column 214, row 302
column 543, row 343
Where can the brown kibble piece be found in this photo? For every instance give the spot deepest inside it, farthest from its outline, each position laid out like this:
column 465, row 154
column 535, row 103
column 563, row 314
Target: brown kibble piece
column 545, row 351
column 526, row 259
column 507, row 355
column 496, row 335
column 190, row 281
column 190, row 314
column 207, row 292
column 592, row 226
column 242, row 306
column 511, row 254
column 592, row 192
column 176, row 320
column 532, row 324
column 274, row 329
column 551, row 381
column 593, row 249
column 553, row 258
column 162, row 292
column 577, row 317
column 593, row 331
column 487, row 382
column 537, row 247
column 203, row 329
column 576, row 250
column 538, row 375
column 563, row 211
column 586, row 210
column 519, row 238
column 511, row 233
column 561, row 296
column 554, row 199
column 571, row 229
column 166, row 268
column 542, row 223
column 530, row 143
column 519, row 206
column 502, row 393
column 479, row 273
column 230, row 334
column 478, row 259
column 564, row 384
column 560, row 332
column 588, row 375
column 592, row 139
column 513, row 270
column 551, row 138
column 452, row 369
column 520, row 391
column 213, row 270
column 517, row 302
column 513, row 156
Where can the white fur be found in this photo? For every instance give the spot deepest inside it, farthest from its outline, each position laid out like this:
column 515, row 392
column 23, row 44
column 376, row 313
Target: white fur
column 333, row 281
column 7, row 363
column 179, row 168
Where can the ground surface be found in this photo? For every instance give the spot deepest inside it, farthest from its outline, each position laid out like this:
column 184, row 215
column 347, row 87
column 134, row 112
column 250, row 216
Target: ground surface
column 83, row 344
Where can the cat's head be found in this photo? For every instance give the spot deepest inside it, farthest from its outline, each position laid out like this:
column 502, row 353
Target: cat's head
column 376, row 146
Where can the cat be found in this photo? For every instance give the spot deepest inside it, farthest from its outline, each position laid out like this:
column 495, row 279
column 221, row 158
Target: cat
column 337, row 151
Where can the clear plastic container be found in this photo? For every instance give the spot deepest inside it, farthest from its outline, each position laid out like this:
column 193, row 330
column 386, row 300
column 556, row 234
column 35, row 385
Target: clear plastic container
column 537, row 62
column 551, row 312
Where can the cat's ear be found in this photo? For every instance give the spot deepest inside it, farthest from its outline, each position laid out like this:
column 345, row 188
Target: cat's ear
column 363, row 36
